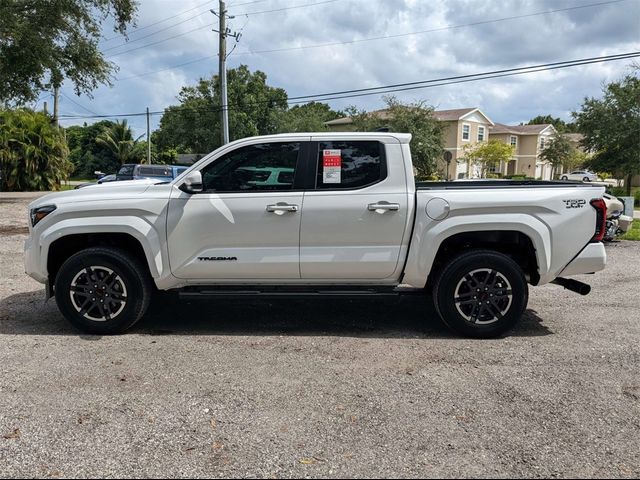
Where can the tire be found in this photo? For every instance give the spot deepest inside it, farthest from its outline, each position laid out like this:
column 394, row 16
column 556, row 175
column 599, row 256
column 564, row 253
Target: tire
column 586, row 179
column 564, row 178
column 124, row 288
column 458, row 305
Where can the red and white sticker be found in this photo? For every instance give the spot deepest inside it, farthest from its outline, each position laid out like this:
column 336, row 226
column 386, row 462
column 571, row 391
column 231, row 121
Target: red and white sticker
column 331, row 166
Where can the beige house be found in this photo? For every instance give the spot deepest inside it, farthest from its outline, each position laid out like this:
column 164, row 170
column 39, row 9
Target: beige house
column 464, row 126
column 529, row 141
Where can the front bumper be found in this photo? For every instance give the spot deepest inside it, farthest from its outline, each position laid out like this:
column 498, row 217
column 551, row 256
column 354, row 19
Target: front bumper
column 32, row 265
column 590, row 260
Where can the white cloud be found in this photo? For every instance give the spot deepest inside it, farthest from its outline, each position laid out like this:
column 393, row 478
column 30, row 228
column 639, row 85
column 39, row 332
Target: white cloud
column 576, row 33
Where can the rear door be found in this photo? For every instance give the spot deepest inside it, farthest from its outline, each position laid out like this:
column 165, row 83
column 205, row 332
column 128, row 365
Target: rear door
column 355, row 216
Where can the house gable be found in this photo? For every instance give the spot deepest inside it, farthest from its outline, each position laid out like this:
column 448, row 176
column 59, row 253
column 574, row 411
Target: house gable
column 477, row 116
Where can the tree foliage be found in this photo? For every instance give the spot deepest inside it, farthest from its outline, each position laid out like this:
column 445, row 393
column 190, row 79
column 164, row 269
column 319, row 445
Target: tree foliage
column 44, row 42
column 310, row 117
column 488, row 154
column 193, row 126
column 427, row 142
column 611, row 128
column 559, row 124
column 118, row 139
column 33, row 153
column 558, row 152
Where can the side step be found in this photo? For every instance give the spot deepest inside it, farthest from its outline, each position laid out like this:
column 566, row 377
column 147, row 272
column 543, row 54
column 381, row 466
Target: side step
column 295, row 291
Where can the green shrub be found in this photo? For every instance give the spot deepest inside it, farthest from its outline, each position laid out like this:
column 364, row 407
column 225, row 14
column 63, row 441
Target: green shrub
column 33, row 153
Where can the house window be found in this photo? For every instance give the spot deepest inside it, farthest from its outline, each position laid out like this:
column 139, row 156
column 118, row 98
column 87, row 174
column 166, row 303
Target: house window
column 541, row 143
column 513, row 140
column 481, row 134
column 466, row 132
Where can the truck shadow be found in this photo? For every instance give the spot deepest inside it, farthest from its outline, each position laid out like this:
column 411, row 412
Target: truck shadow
column 403, row 317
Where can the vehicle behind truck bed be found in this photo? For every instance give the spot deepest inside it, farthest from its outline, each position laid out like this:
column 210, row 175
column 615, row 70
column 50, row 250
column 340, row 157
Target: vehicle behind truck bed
column 314, row 214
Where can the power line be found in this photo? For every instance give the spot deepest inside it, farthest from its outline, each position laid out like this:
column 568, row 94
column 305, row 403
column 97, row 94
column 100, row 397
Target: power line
column 154, row 33
column 162, row 20
column 433, row 30
column 385, row 89
column 198, row 28
column 78, row 104
column 349, row 42
column 284, row 8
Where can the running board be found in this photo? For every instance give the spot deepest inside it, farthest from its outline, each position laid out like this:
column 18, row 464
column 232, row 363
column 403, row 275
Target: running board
column 295, row 291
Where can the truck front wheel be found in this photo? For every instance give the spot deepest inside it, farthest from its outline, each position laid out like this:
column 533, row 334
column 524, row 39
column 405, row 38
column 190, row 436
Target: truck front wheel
column 481, row 294
column 102, row 290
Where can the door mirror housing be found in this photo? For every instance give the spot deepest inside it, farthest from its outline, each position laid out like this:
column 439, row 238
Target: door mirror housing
column 192, row 183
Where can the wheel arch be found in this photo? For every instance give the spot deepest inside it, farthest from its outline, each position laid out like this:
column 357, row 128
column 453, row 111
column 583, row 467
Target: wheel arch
column 443, row 240
column 63, row 241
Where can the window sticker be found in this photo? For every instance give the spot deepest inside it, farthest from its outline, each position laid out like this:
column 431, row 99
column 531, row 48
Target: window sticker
column 331, row 166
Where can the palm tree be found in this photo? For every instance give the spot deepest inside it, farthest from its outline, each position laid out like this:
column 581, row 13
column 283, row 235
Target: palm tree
column 33, row 153
column 119, row 139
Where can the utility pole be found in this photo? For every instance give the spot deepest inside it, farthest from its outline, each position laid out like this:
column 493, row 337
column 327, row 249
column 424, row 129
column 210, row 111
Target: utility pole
column 222, row 72
column 55, row 104
column 148, row 139
column 223, row 33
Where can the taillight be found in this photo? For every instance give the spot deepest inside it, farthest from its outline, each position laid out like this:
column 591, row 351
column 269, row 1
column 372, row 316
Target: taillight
column 601, row 218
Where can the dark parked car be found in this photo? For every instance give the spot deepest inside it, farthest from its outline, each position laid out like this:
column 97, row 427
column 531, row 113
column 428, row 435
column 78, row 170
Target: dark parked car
column 133, row 171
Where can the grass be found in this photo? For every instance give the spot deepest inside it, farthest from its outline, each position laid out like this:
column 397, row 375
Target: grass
column 634, row 233
column 64, row 187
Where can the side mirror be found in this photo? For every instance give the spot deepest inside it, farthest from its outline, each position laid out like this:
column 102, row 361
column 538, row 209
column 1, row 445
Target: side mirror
column 192, row 183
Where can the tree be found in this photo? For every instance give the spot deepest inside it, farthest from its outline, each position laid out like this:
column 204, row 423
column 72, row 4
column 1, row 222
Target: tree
column 611, row 128
column 193, row 126
column 557, row 152
column 310, row 117
column 119, row 140
column 559, row 124
column 33, row 153
column 86, row 154
column 427, row 142
column 44, row 42
column 488, row 154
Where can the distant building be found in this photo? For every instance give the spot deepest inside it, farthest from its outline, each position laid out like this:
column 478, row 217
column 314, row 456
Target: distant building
column 529, row 141
column 463, row 126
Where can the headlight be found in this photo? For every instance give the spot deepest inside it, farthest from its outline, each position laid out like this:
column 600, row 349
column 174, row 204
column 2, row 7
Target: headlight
column 39, row 213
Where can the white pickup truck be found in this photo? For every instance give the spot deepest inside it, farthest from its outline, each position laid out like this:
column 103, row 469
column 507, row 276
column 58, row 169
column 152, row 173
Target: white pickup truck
column 314, row 214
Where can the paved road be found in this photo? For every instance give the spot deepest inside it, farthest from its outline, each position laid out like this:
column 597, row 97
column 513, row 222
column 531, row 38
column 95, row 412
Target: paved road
column 333, row 388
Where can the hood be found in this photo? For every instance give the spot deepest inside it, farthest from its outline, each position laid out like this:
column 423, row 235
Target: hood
column 104, row 191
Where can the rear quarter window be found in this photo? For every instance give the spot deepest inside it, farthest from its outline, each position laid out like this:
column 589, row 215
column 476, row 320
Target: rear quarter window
column 350, row 164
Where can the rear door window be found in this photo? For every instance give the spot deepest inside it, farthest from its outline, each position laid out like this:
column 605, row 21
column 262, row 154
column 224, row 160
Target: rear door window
column 349, row 164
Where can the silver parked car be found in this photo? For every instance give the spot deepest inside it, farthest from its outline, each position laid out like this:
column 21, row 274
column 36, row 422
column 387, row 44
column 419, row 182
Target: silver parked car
column 580, row 175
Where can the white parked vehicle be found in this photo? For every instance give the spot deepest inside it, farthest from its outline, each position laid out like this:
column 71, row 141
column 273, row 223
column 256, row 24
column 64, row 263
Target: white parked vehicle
column 580, row 176
column 346, row 218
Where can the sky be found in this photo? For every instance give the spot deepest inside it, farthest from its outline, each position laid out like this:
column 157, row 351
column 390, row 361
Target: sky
column 174, row 46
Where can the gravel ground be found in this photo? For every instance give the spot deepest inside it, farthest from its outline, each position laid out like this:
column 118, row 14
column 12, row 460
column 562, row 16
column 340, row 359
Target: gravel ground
column 323, row 388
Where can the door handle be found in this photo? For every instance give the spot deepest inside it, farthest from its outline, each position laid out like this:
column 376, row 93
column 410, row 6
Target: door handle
column 281, row 208
column 382, row 207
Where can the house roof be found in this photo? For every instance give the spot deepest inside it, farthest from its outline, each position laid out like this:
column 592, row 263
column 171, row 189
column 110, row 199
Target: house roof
column 520, row 129
column 452, row 115
column 442, row 115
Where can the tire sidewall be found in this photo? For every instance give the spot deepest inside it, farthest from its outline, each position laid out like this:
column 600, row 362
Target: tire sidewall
column 78, row 262
column 457, row 269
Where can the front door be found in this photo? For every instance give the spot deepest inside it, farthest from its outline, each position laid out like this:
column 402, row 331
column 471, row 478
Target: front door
column 354, row 221
column 246, row 223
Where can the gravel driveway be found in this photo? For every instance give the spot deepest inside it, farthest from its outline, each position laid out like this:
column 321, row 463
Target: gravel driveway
column 331, row 388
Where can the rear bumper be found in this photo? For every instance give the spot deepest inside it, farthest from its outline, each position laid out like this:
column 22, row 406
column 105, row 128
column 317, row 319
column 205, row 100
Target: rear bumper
column 592, row 259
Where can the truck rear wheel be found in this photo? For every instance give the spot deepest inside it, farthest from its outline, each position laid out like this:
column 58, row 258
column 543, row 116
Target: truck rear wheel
column 103, row 290
column 481, row 294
